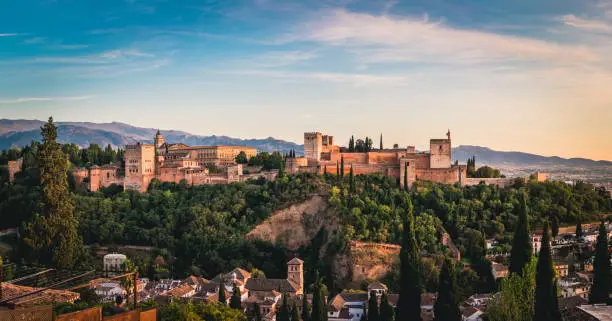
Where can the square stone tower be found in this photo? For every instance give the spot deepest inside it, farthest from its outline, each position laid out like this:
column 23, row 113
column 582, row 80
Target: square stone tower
column 313, row 146
column 440, row 153
column 295, row 273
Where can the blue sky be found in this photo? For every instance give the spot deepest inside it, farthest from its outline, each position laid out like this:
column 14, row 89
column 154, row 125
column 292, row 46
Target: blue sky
column 533, row 76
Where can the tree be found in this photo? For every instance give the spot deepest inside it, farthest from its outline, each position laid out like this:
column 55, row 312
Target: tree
column 386, row 310
column 351, row 147
column 446, row 307
column 352, row 185
column 546, row 306
column 522, row 250
column 283, row 313
column 381, row 143
column 579, row 230
column 128, row 282
column 221, row 294
column 241, row 158
column 515, row 301
column 319, row 307
column 602, row 286
column 295, row 313
column 341, row 166
column 554, row 227
column 337, row 171
column 235, row 300
column 305, row 308
column 406, row 176
column 373, row 307
column 52, row 234
column 409, row 302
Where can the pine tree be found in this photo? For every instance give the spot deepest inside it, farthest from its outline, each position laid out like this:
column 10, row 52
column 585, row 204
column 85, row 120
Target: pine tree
column 319, row 306
column 373, row 307
column 546, row 307
column 602, row 282
column 52, row 234
column 283, row 313
column 341, row 166
column 381, row 144
column 386, row 310
column 221, row 294
column 409, row 302
column 235, row 301
column 522, row 250
column 295, row 313
column 446, row 307
column 305, row 308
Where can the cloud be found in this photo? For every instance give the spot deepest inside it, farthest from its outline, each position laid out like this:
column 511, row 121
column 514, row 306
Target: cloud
column 34, row 99
column 587, row 24
column 35, row 40
column 349, row 78
column 390, row 39
column 284, row 58
column 68, row 46
column 114, row 54
column 9, row 34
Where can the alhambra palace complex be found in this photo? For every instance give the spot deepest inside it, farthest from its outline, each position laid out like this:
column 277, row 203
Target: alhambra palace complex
column 179, row 162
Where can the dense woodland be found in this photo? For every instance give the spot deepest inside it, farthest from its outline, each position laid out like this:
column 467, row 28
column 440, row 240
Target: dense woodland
column 200, row 229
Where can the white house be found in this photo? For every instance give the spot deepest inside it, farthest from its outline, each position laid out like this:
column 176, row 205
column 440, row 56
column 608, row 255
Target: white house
column 113, row 261
column 108, row 291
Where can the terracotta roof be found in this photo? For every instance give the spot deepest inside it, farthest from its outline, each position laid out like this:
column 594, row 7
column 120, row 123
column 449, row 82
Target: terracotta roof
column 11, row 290
column 295, row 260
column 180, row 291
column 377, row 286
column 337, row 303
column 280, row 285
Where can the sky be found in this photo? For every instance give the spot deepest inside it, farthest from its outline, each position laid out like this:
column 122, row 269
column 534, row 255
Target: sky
column 515, row 75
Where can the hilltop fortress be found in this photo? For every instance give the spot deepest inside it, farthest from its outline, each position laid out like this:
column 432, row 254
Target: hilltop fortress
column 321, row 154
column 170, row 163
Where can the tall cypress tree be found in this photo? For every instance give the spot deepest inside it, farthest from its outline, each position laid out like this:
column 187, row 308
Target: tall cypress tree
column 409, row 302
column 352, row 185
column 579, row 230
column 446, row 307
column 235, row 301
column 381, row 144
column 319, row 306
column 52, row 235
column 373, row 307
column 341, row 166
column 386, row 310
column 522, row 249
column 221, row 294
column 406, row 176
column 284, row 313
column 602, row 282
column 295, row 313
column 305, row 308
column 546, row 307
column 337, row 170
column 352, row 144
column 325, row 171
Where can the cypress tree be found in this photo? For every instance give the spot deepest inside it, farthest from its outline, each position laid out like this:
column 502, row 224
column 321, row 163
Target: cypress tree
column 522, row 250
column 386, row 310
column 546, row 307
column 352, row 144
column 256, row 312
column 446, row 307
column 554, row 228
column 221, row 294
column 295, row 313
column 283, row 313
column 406, row 176
column 579, row 230
column 373, row 307
column 602, row 286
column 409, row 302
column 52, row 234
column 235, row 301
column 337, row 170
column 325, row 171
column 305, row 308
column 352, row 185
column 319, row 306
column 381, row 144
column 341, row 166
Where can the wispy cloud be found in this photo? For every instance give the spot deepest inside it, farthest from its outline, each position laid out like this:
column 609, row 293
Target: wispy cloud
column 9, row 34
column 35, row 99
column 587, row 24
column 347, row 78
column 35, row 40
column 68, row 46
column 389, row 39
column 284, row 58
column 114, row 54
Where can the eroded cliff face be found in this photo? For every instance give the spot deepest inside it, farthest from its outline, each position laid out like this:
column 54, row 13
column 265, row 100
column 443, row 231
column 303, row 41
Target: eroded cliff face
column 297, row 225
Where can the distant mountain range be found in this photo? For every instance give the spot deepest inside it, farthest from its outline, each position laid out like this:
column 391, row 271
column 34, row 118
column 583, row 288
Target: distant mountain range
column 22, row 132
